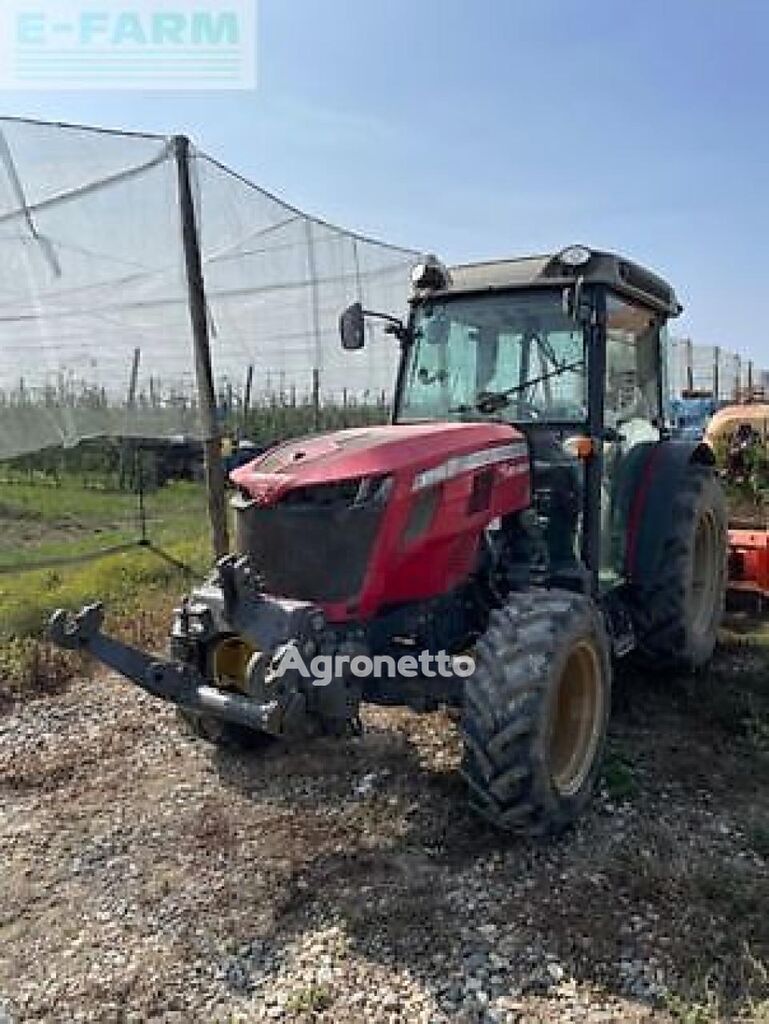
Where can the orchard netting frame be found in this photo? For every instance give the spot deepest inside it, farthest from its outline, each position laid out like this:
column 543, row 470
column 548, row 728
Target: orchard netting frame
column 96, row 336
column 711, row 370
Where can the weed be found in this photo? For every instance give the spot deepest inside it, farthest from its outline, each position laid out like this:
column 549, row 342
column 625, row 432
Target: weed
column 734, row 693
column 758, row 837
column 313, row 999
column 619, row 778
column 686, row 1012
column 29, row 668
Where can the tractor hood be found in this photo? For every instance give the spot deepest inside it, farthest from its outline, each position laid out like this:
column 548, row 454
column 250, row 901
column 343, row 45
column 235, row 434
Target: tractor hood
column 364, row 452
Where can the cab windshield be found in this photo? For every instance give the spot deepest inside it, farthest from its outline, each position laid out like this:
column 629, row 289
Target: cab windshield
column 512, row 356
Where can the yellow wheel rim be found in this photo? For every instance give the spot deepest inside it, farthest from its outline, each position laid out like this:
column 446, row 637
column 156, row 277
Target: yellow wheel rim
column 577, row 719
column 705, row 572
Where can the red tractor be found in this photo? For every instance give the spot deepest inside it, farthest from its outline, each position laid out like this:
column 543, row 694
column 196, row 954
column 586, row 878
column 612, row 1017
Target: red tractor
column 525, row 505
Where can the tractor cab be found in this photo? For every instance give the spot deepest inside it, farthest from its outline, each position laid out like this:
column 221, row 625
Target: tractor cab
column 568, row 349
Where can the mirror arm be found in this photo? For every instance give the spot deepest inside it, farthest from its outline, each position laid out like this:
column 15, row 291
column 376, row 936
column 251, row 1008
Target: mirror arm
column 394, row 326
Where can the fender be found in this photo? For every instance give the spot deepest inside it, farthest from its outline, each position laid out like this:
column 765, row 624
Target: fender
column 643, row 505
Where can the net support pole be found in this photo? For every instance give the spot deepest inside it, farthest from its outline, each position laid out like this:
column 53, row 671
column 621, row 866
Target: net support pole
column 247, row 397
column 316, row 400
column 315, row 309
column 214, row 467
column 689, row 366
column 716, row 373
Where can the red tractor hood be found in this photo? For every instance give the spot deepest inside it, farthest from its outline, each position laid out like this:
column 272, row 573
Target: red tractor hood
column 365, row 451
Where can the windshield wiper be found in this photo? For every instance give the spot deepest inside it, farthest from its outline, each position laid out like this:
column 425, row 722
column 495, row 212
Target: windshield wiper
column 493, row 401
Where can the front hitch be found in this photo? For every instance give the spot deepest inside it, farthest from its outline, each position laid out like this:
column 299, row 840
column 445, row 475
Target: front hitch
column 168, row 680
column 74, row 632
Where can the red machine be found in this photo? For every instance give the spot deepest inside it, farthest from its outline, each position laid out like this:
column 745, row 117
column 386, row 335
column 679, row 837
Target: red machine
column 444, row 483
column 749, row 562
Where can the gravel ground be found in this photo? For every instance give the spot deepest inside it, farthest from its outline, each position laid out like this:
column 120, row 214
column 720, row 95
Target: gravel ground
column 149, row 877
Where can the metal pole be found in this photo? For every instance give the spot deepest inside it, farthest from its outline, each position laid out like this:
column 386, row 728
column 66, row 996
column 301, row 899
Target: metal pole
column 689, row 366
column 133, row 384
column 316, row 400
column 315, row 310
column 134, row 380
column 247, row 398
column 716, row 373
column 217, row 509
column 139, row 469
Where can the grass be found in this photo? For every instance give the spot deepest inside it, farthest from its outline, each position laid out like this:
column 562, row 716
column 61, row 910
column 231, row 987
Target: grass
column 42, row 522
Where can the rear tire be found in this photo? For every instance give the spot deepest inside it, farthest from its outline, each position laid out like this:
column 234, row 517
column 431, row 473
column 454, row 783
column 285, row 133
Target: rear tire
column 678, row 612
column 536, row 711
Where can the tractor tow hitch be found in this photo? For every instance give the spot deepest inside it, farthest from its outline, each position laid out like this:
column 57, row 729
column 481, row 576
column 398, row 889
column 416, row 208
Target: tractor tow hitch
column 171, row 681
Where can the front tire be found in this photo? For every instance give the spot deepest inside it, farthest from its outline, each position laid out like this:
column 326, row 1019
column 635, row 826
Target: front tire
column 536, row 711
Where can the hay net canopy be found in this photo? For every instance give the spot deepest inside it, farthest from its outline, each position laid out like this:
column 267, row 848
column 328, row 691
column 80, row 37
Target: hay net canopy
column 95, row 334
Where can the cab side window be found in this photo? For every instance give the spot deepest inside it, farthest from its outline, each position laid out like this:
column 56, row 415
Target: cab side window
column 632, row 366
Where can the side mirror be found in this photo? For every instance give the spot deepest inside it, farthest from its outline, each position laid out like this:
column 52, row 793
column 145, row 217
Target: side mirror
column 352, row 328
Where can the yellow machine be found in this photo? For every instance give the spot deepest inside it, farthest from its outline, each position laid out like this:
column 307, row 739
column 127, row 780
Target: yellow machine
column 727, row 421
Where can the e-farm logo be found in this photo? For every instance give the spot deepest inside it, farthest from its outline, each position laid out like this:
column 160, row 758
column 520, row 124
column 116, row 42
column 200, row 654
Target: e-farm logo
column 128, row 44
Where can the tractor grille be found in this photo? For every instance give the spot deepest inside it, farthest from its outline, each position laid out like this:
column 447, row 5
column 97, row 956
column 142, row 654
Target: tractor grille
column 315, row 544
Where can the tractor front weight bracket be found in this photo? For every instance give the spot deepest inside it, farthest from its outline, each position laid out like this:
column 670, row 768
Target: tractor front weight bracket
column 171, row 681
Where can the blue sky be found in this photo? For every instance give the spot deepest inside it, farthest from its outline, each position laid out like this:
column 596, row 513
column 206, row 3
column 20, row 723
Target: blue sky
column 507, row 126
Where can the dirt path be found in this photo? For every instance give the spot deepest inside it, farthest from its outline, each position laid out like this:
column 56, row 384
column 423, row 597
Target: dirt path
column 146, row 876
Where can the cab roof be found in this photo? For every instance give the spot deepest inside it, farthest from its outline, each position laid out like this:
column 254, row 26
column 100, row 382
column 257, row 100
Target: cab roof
column 622, row 275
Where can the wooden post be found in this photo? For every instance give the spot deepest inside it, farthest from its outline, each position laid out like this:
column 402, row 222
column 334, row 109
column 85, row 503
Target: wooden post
column 212, row 446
